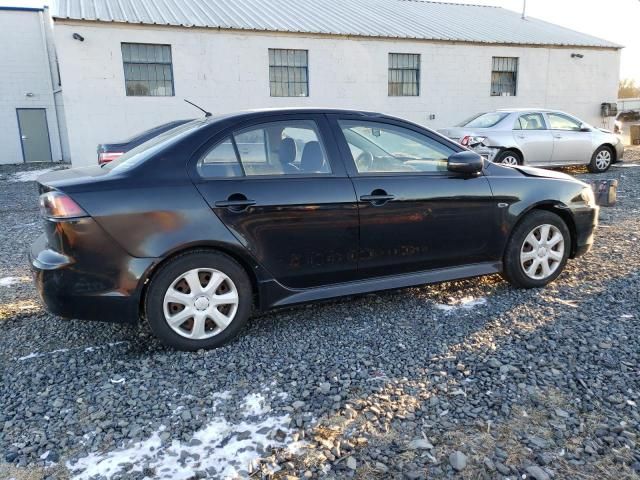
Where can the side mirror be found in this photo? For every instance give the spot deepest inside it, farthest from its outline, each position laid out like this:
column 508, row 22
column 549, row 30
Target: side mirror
column 585, row 128
column 465, row 162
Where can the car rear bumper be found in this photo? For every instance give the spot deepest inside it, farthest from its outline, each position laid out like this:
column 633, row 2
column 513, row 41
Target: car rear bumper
column 72, row 289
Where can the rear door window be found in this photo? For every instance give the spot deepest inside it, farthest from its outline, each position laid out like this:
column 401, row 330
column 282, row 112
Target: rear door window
column 290, row 147
column 530, row 121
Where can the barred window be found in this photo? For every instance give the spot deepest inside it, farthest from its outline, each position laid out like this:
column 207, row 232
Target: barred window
column 288, row 73
column 404, row 75
column 504, row 76
column 147, row 70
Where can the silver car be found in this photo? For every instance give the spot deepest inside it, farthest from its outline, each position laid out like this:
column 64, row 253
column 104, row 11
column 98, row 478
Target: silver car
column 541, row 138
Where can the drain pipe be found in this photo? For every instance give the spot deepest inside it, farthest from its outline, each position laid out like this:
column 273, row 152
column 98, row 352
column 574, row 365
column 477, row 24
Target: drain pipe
column 54, row 90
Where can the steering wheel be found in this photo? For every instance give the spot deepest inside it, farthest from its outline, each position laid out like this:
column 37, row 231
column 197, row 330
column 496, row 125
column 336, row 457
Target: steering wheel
column 364, row 161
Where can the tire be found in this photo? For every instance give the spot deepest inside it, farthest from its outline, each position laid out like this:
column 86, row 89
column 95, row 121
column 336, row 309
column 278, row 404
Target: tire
column 508, row 157
column 601, row 160
column 516, row 270
column 216, row 318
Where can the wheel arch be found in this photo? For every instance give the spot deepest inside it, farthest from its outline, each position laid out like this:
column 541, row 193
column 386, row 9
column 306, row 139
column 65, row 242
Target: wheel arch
column 611, row 148
column 246, row 262
column 559, row 209
column 513, row 149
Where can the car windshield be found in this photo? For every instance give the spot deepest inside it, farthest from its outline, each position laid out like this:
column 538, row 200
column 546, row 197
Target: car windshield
column 484, row 120
column 151, row 147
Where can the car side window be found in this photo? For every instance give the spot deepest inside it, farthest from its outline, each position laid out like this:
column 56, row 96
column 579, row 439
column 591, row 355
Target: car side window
column 530, row 121
column 384, row 148
column 282, row 148
column 220, row 161
column 557, row 121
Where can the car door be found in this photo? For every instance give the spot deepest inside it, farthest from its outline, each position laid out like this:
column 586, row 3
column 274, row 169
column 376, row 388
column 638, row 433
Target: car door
column 571, row 143
column 533, row 138
column 280, row 187
column 414, row 214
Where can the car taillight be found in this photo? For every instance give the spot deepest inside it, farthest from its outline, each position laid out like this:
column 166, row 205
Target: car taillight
column 57, row 205
column 106, row 157
column 472, row 141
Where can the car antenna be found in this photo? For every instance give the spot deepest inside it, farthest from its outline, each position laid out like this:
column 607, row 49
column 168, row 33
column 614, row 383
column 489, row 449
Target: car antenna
column 206, row 114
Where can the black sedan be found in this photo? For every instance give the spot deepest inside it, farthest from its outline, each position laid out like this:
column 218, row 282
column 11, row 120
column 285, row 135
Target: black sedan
column 219, row 217
column 108, row 152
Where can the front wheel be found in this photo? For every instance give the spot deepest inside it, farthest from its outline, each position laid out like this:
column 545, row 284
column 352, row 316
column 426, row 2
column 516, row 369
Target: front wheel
column 198, row 300
column 601, row 160
column 537, row 250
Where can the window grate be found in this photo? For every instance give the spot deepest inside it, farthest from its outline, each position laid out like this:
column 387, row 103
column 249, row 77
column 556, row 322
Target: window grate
column 147, row 70
column 288, row 73
column 504, row 76
column 404, row 75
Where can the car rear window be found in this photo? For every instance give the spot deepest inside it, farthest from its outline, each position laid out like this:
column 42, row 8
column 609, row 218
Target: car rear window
column 485, row 120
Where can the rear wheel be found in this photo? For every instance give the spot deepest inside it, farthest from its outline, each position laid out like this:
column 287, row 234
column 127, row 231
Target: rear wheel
column 537, row 250
column 198, row 300
column 601, row 160
column 508, row 157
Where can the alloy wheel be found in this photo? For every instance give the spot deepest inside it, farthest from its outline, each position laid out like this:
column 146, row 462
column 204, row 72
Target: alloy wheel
column 510, row 160
column 603, row 159
column 542, row 252
column 200, row 303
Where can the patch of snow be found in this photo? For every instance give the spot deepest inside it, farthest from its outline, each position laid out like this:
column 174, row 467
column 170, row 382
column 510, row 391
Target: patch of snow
column 254, row 404
column 36, row 354
column 626, row 165
column 221, row 449
column 466, row 303
column 29, row 176
column 63, row 350
column 8, row 281
column 626, row 315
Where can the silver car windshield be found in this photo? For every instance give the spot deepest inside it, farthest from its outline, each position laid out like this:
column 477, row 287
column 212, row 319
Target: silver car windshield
column 485, row 120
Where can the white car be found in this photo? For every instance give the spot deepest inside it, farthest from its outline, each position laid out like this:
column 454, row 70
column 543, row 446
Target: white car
column 536, row 137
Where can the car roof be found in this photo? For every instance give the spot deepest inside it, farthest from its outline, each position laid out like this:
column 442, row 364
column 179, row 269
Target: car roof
column 260, row 112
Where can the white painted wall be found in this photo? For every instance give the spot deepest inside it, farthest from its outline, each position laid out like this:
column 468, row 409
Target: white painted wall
column 24, row 68
column 227, row 71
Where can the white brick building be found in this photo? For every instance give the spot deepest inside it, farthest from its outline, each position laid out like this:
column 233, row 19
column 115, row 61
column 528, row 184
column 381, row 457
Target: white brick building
column 456, row 60
column 29, row 120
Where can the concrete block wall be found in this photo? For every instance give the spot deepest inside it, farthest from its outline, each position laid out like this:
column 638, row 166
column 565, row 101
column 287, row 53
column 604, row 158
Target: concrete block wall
column 24, row 69
column 227, row 71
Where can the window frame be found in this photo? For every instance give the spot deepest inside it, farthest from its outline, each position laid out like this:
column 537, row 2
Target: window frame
column 324, row 136
column 350, row 162
column 402, row 69
column 287, row 84
column 515, row 72
column 170, row 63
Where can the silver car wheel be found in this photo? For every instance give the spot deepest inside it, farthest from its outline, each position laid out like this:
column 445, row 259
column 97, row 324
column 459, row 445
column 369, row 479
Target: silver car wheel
column 603, row 159
column 509, row 160
column 542, row 252
column 200, row 303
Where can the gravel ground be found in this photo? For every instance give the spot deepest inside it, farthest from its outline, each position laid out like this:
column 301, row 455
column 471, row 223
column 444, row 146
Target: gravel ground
column 469, row 379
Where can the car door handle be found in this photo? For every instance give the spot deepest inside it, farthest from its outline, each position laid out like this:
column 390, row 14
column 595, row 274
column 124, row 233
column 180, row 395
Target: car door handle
column 377, row 197
column 520, row 136
column 557, row 136
column 236, row 202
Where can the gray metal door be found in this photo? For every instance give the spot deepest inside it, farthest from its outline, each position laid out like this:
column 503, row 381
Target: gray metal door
column 34, row 134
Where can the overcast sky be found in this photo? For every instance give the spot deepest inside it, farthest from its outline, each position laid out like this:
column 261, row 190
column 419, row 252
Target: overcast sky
column 614, row 20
